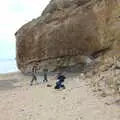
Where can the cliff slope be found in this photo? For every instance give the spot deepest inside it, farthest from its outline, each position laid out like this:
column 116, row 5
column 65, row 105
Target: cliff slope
column 67, row 31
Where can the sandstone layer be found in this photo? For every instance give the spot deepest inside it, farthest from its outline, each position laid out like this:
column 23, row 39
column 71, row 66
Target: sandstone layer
column 67, row 31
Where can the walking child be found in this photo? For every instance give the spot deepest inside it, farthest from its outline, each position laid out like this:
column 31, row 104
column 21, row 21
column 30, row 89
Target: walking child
column 34, row 78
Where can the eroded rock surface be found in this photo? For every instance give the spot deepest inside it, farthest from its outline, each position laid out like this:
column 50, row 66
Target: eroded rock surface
column 67, row 31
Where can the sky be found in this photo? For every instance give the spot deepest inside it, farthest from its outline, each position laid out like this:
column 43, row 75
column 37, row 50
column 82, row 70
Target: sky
column 14, row 14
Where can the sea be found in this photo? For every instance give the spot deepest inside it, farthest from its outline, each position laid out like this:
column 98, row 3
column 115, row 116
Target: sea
column 8, row 65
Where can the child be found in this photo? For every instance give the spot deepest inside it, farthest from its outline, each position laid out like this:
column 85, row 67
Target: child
column 34, row 78
column 45, row 75
column 59, row 83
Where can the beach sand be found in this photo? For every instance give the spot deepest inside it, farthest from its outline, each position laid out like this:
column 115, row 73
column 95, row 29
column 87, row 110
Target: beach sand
column 20, row 101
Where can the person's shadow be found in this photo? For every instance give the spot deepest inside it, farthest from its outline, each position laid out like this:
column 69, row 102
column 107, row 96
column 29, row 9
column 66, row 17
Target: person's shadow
column 8, row 84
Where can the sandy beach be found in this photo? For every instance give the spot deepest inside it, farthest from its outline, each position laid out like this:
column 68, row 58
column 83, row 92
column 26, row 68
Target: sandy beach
column 20, row 101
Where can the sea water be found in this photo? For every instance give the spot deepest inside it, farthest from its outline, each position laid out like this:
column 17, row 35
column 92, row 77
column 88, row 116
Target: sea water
column 8, row 65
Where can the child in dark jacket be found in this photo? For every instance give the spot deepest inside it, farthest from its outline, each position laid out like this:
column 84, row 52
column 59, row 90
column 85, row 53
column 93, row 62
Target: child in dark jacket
column 59, row 83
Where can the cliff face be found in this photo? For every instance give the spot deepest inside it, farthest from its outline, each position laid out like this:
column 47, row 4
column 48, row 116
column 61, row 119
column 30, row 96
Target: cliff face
column 67, row 30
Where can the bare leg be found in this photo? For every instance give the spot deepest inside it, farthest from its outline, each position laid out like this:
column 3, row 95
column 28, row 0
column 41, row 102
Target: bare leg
column 31, row 82
column 33, row 79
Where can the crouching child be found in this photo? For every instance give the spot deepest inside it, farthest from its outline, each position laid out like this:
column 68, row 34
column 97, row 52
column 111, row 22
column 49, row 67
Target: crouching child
column 59, row 84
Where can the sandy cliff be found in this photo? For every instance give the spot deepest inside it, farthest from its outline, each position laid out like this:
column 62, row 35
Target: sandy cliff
column 66, row 31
